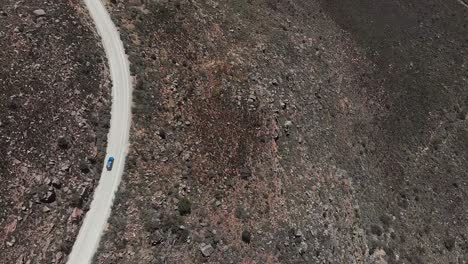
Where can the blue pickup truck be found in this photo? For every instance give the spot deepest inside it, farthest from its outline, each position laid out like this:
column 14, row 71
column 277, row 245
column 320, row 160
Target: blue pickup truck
column 110, row 163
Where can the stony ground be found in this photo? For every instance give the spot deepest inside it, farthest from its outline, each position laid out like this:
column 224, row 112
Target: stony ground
column 294, row 132
column 416, row 172
column 54, row 100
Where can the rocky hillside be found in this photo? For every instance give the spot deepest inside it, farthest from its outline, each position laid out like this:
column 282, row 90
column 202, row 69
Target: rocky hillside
column 54, row 100
column 293, row 132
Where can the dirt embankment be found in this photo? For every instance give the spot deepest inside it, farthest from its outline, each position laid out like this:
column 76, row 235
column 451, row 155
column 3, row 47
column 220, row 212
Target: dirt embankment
column 266, row 132
column 54, row 100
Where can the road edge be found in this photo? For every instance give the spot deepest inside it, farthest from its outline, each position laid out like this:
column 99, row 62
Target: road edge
column 85, row 247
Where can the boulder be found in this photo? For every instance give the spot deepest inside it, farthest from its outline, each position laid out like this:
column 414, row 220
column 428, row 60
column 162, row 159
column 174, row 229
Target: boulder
column 39, row 12
column 48, row 197
column 206, row 250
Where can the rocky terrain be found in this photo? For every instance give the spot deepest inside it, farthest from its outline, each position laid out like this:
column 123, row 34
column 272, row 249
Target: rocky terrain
column 54, row 104
column 294, row 132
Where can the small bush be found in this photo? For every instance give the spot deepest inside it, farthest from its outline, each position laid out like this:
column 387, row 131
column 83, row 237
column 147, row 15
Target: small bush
column 185, row 206
column 63, row 143
column 151, row 220
column 66, row 246
column 246, row 236
column 171, row 223
column 76, row 201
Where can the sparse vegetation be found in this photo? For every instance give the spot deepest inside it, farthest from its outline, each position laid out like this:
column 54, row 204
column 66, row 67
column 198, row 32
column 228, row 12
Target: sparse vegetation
column 185, row 206
column 290, row 135
column 53, row 95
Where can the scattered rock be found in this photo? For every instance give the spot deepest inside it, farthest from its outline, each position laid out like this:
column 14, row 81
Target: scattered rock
column 65, row 166
column 48, row 197
column 288, row 124
column 252, row 98
column 246, row 236
column 276, row 135
column 45, row 209
column 76, row 214
column 298, row 233
column 11, row 242
column 47, row 181
column 24, row 169
column 378, row 257
column 10, row 228
column 56, row 183
column 303, row 247
column 206, row 250
column 20, row 260
column 186, row 156
column 58, row 257
column 283, row 105
column 39, row 12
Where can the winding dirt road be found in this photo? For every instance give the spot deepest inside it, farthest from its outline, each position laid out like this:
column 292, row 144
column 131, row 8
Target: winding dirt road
column 95, row 221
